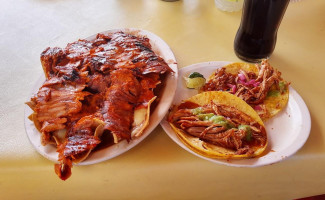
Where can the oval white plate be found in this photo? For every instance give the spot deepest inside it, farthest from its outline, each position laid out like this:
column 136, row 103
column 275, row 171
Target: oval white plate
column 287, row 131
column 161, row 49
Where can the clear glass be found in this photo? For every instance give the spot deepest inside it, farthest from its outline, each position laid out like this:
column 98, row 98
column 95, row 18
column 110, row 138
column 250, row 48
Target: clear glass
column 229, row 5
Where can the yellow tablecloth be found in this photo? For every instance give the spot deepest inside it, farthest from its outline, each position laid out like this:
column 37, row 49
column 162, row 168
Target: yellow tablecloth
column 157, row 168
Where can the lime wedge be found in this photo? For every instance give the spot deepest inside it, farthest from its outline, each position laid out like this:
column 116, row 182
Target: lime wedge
column 195, row 74
column 195, row 83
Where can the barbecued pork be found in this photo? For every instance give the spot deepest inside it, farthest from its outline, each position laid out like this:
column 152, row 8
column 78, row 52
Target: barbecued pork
column 91, row 87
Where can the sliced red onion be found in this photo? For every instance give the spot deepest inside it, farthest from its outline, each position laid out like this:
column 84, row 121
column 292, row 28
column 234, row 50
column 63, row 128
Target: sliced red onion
column 233, row 88
column 242, row 77
column 241, row 82
column 257, row 107
column 253, row 83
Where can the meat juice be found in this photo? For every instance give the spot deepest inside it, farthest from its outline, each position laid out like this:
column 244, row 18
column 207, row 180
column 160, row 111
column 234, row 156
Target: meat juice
column 257, row 34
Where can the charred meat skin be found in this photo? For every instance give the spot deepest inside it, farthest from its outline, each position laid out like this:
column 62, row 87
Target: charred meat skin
column 119, row 103
column 104, row 79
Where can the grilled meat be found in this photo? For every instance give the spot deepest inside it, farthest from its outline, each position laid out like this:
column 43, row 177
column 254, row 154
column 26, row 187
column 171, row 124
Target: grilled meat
column 92, row 86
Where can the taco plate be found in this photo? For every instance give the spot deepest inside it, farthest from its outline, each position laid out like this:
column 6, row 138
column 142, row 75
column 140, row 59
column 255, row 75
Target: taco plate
column 287, row 131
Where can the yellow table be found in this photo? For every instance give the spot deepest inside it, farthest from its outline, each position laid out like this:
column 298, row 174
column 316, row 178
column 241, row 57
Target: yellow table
column 157, row 168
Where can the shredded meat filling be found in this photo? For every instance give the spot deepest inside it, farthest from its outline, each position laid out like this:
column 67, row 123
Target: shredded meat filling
column 229, row 135
column 252, row 88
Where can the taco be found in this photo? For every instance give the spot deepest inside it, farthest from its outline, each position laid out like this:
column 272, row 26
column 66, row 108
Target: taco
column 261, row 86
column 219, row 125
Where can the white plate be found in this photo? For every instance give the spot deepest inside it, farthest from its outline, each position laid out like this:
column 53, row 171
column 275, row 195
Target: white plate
column 287, row 131
column 161, row 49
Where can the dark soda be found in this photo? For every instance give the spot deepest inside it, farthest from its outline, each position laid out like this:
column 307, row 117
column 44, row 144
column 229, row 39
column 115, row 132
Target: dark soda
column 256, row 37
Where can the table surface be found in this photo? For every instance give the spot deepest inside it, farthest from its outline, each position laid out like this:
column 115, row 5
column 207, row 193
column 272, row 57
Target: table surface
column 157, row 168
